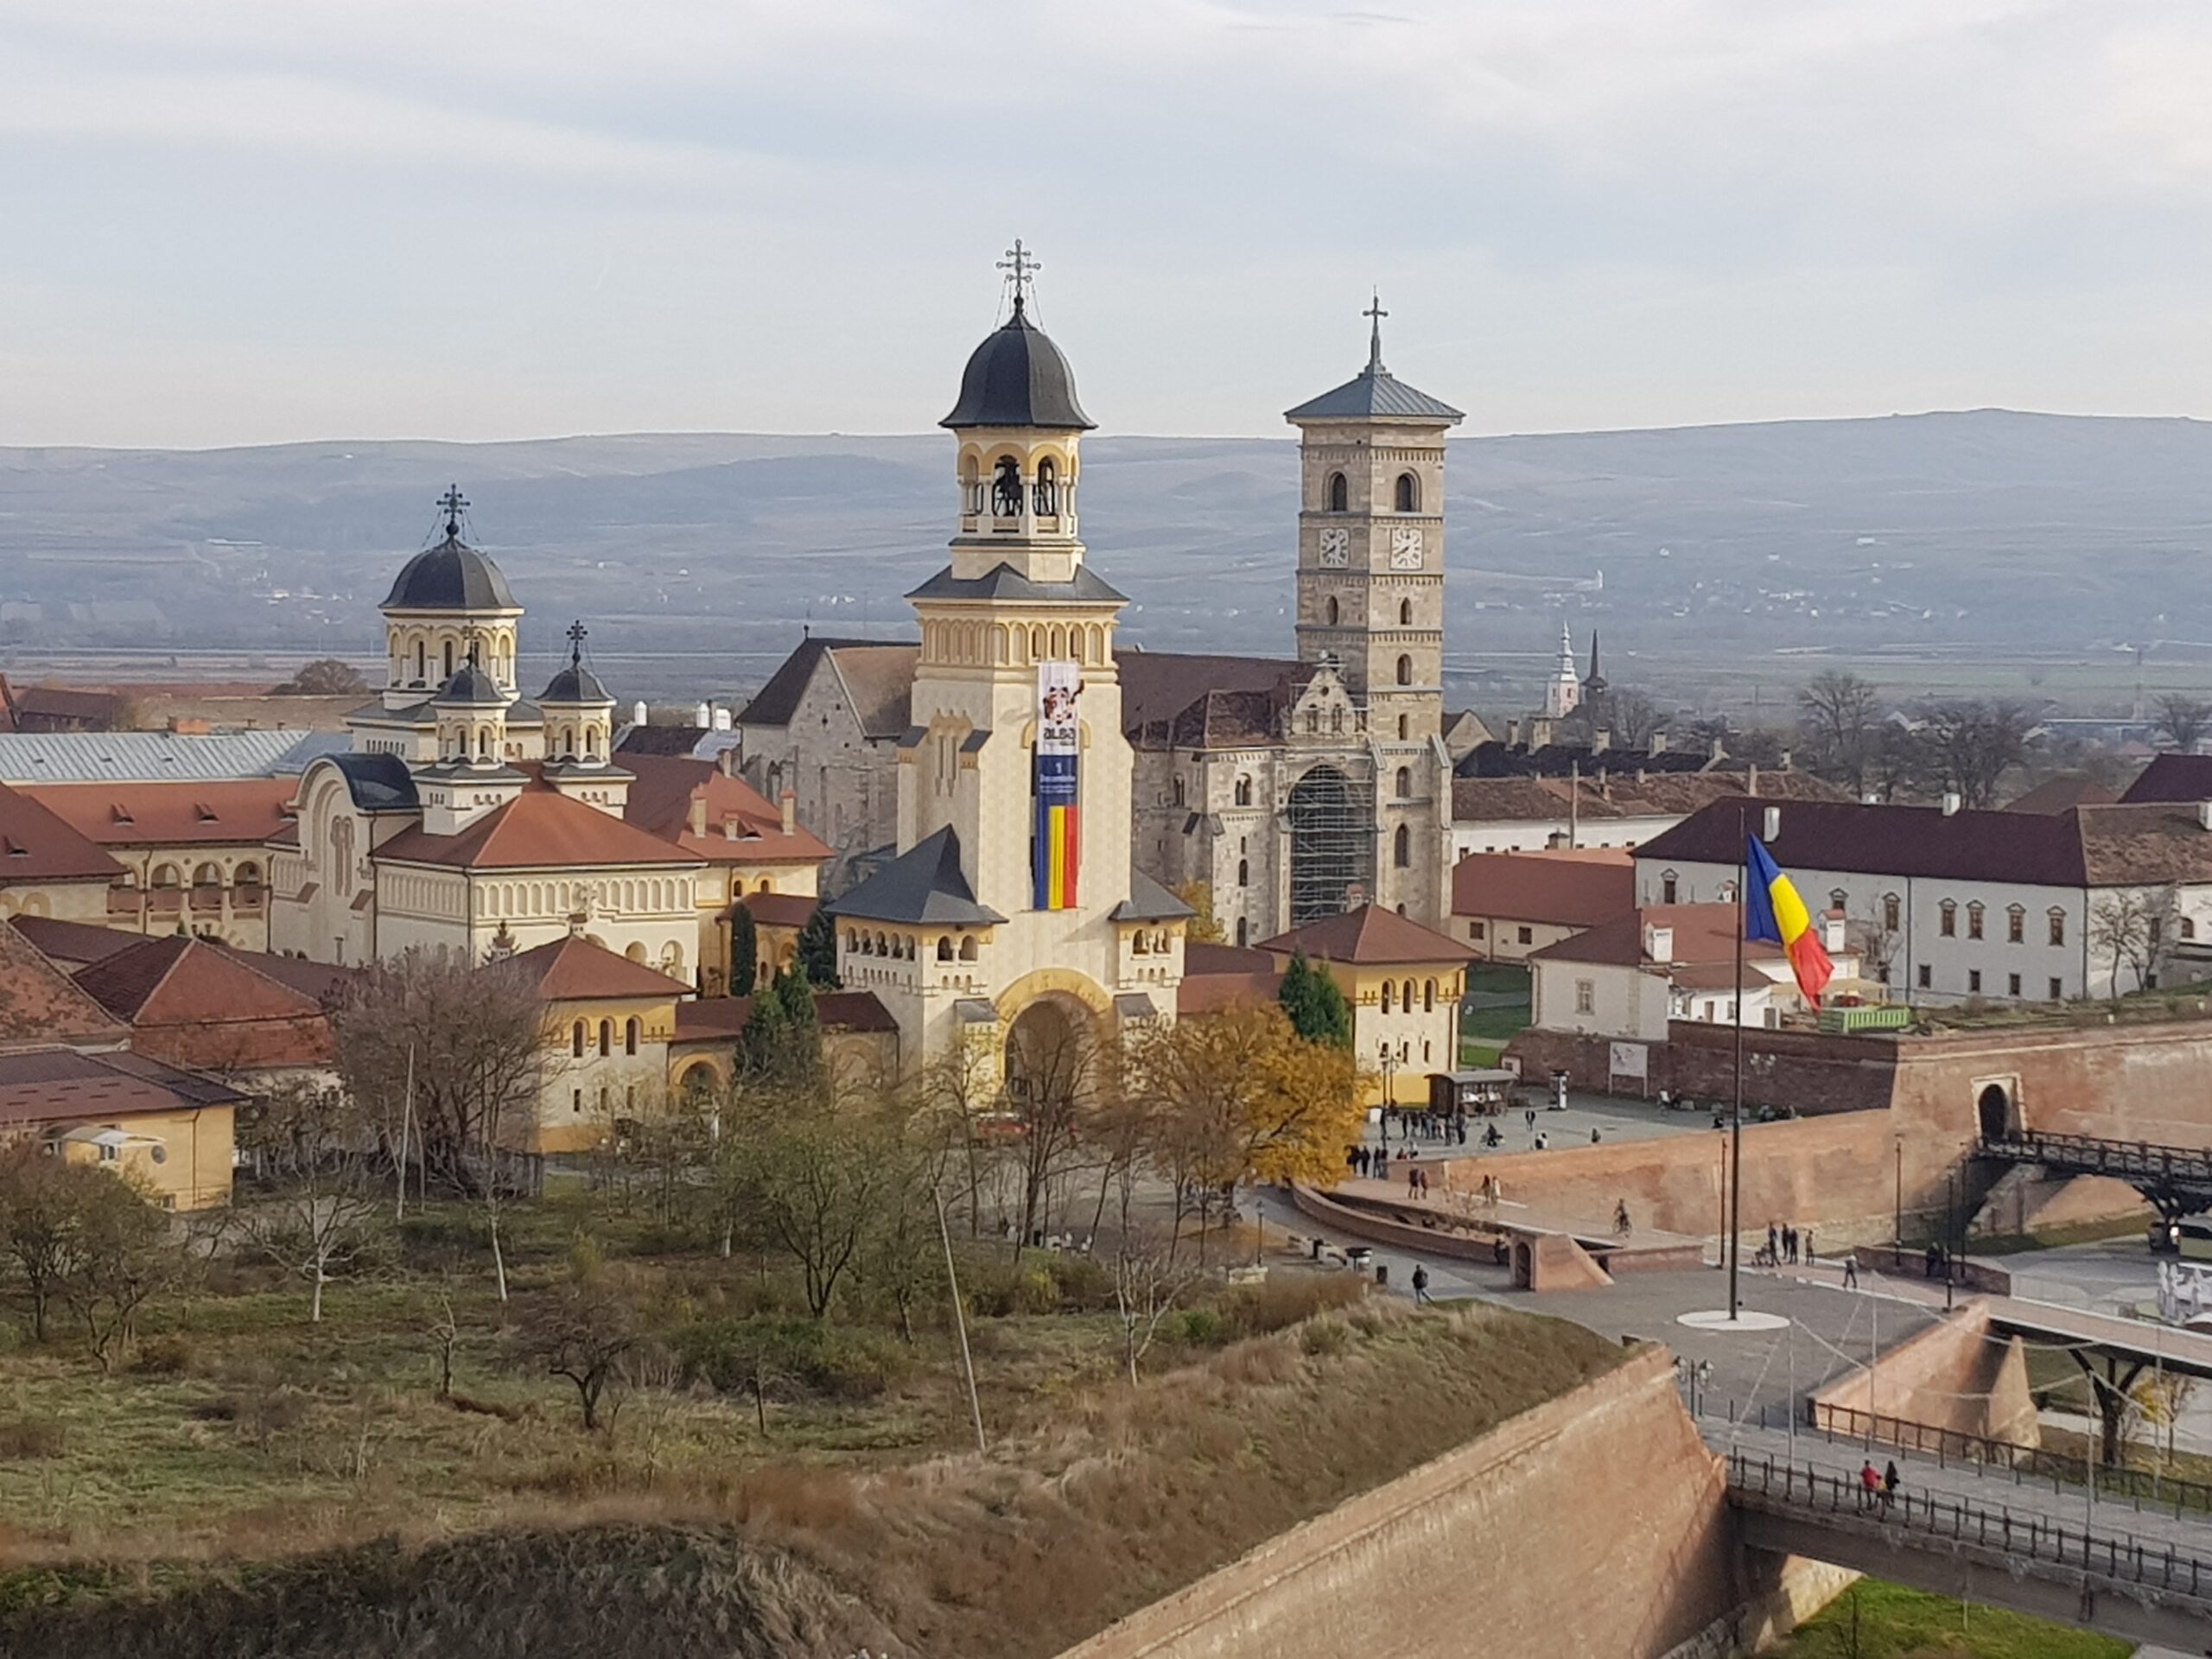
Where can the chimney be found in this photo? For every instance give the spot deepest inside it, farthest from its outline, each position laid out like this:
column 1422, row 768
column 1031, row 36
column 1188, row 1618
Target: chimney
column 722, row 718
column 698, row 824
column 1951, row 802
column 2204, row 815
column 726, row 761
column 1658, row 941
column 1512, row 734
column 1714, row 751
column 1789, row 762
column 1601, row 739
column 703, row 716
column 1832, row 933
column 1751, row 779
column 791, row 812
column 1658, row 743
column 1540, row 733
column 637, row 712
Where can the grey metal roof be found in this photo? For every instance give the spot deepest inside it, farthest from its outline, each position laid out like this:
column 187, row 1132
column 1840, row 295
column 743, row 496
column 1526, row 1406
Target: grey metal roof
column 922, row 885
column 1374, row 394
column 377, row 783
column 155, row 757
column 472, row 686
column 1150, row 902
column 575, row 683
column 451, row 576
column 1018, row 378
column 1003, row 582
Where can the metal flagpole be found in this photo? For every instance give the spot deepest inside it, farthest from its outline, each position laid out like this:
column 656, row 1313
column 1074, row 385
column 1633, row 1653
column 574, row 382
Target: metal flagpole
column 1736, row 1125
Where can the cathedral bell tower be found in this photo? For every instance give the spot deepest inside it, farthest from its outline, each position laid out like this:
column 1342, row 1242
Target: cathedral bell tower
column 1370, row 601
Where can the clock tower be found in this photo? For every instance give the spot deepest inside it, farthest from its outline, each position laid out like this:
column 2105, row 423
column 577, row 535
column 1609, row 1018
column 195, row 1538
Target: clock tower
column 1370, row 601
column 1371, row 543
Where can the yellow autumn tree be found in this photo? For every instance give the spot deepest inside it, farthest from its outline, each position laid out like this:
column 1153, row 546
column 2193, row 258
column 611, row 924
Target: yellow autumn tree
column 1239, row 1095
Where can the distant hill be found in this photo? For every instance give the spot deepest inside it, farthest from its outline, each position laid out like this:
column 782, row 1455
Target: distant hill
column 697, row 559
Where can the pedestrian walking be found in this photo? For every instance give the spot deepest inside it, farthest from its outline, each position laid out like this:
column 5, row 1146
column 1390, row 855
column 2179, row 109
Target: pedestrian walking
column 1532, row 1120
column 1810, row 1259
column 1851, row 1273
column 1870, row 1485
column 1420, row 1296
column 1789, row 1243
column 1620, row 1219
column 1890, row 1481
column 1773, row 1243
column 1594, row 1137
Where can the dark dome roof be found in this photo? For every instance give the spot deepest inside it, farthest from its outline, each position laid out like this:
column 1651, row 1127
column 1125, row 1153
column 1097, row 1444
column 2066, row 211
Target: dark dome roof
column 575, row 683
column 451, row 576
column 469, row 684
column 1017, row 377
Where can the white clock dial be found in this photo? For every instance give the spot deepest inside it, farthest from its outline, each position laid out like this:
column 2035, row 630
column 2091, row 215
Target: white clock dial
column 1405, row 548
column 1334, row 546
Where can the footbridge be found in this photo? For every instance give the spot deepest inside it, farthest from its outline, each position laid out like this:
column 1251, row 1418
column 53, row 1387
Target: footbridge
column 2176, row 1181
column 2044, row 1551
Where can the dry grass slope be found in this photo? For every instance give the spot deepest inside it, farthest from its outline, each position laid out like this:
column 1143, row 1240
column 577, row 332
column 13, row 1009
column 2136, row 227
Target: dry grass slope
column 1108, row 1498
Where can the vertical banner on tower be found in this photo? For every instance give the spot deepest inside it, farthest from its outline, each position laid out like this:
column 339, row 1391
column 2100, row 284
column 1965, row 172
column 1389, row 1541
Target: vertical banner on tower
column 1057, row 742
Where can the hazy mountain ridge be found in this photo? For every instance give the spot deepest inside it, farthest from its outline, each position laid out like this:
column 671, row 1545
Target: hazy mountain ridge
column 1979, row 531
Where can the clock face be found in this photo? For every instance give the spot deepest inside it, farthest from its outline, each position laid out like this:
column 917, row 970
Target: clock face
column 1405, row 548
column 1334, row 544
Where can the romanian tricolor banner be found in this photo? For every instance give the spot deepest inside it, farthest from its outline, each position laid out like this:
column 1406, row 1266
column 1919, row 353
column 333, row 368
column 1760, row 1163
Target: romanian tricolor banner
column 1058, row 829
column 1773, row 912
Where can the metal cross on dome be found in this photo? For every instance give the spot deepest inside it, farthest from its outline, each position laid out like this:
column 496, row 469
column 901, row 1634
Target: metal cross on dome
column 455, row 504
column 1021, row 267
column 1375, row 313
column 577, row 634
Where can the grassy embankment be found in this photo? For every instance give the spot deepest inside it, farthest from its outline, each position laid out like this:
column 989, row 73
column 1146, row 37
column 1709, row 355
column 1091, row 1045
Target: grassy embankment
column 1874, row 1620
column 255, row 1484
column 1485, row 1031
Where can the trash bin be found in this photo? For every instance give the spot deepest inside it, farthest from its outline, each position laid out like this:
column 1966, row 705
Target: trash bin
column 1382, row 1273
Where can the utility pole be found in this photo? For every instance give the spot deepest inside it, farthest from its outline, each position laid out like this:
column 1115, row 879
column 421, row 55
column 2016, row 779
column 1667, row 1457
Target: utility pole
column 959, row 1324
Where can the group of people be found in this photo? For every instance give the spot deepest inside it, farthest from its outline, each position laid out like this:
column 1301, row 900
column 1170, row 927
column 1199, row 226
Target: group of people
column 1445, row 1128
column 1785, row 1247
column 1374, row 1161
column 1879, row 1491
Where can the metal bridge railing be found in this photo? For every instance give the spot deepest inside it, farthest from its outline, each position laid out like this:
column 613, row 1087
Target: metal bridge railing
column 2140, row 1488
column 2118, row 1556
column 2124, row 1159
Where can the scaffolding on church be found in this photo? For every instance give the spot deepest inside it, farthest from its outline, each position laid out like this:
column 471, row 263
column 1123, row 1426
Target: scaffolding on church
column 1331, row 846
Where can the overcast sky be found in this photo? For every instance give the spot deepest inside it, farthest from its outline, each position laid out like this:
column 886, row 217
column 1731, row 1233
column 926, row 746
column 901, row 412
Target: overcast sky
column 226, row 222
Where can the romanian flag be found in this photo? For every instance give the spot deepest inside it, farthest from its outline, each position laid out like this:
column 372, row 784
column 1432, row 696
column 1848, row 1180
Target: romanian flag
column 1773, row 912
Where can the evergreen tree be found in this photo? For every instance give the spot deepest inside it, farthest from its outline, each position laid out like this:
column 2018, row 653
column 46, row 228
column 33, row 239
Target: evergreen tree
column 1315, row 1003
column 762, row 1044
column 744, row 953
column 802, row 1026
column 817, row 951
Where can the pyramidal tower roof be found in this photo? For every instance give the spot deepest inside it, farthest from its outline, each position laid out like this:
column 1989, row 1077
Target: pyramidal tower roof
column 1374, row 393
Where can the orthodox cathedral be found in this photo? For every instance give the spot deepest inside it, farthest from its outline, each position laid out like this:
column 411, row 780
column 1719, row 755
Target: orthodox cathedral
column 1294, row 788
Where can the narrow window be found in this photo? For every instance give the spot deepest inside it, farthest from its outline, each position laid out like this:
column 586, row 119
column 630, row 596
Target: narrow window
column 1330, row 611
column 1927, row 977
column 1408, row 495
column 2015, row 924
column 1401, row 852
column 1405, row 782
column 1405, row 670
column 1973, row 921
column 578, row 1040
column 1405, row 613
column 1339, row 494
column 1948, row 919
column 1670, row 889
column 1244, row 873
column 1974, row 980
column 2057, row 925
column 1890, row 912
column 630, row 1035
column 1389, row 995
column 606, row 1038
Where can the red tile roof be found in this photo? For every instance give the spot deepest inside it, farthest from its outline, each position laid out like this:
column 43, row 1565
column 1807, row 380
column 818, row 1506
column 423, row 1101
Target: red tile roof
column 181, row 813
column 781, row 909
column 540, row 829
column 1702, row 934
column 1563, row 889
column 199, row 1003
column 1369, row 934
column 74, row 944
column 573, row 969
column 2173, row 778
column 660, row 802
column 40, row 1004
column 713, row 1018
column 52, row 1085
column 37, row 845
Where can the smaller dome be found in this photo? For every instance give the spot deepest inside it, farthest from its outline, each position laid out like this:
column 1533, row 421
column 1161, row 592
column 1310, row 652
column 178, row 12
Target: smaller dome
column 1018, row 378
column 451, row 576
column 575, row 685
column 470, row 687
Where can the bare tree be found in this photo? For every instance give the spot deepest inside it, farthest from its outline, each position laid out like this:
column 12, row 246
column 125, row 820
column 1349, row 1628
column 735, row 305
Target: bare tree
column 2125, row 928
column 2183, row 721
column 473, row 1037
column 1054, row 1069
column 1878, row 944
column 316, row 1143
column 1837, row 712
column 589, row 1332
column 1147, row 1283
column 123, row 1257
column 41, row 1214
column 960, row 1090
column 1635, row 719
column 1976, row 743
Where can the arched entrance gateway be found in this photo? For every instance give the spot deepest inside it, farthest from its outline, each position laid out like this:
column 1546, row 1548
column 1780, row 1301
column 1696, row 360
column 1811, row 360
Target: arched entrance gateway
column 1994, row 1109
column 1052, row 1050
column 1331, row 846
